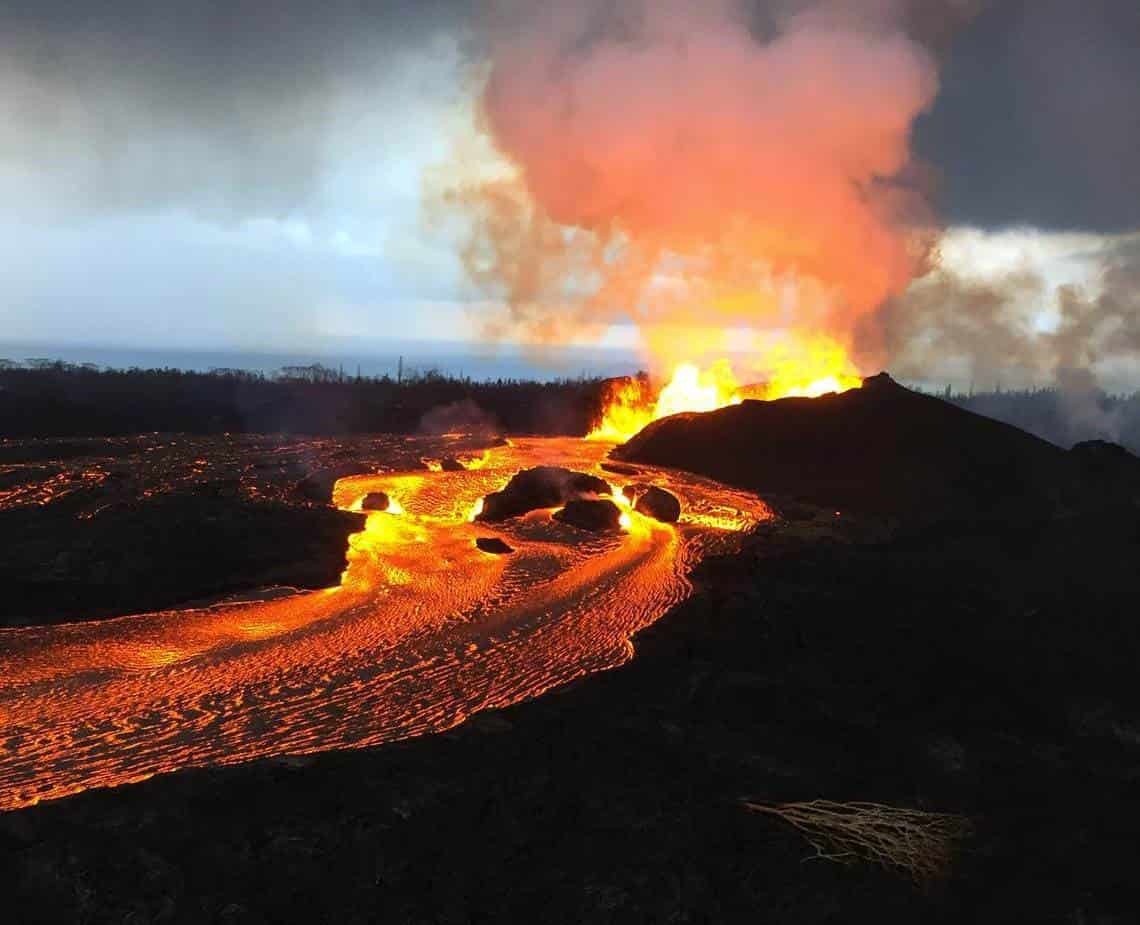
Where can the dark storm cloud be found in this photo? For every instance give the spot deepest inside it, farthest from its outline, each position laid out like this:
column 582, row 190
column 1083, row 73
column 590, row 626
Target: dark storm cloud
column 224, row 104
column 229, row 105
column 1038, row 121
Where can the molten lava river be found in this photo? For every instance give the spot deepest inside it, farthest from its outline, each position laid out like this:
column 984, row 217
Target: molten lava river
column 423, row 631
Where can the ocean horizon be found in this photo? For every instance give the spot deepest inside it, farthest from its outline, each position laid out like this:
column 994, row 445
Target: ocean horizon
column 457, row 359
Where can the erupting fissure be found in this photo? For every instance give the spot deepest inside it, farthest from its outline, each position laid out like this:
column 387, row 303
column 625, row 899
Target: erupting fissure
column 807, row 368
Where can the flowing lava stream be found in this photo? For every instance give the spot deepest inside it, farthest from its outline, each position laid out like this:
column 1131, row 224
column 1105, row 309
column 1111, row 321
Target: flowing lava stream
column 423, row 631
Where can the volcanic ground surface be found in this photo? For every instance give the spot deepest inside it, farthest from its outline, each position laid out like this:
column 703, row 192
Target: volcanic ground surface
column 887, row 451
column 423, row 630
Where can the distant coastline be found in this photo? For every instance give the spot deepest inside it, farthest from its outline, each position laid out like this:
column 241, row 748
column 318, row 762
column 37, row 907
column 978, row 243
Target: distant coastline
column 376, row 359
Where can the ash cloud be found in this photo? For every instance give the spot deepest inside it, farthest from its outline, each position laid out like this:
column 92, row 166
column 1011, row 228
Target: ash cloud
column 673, row 155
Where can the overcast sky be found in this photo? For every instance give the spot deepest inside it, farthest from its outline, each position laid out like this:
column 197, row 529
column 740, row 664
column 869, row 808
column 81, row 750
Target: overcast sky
column 250, row 174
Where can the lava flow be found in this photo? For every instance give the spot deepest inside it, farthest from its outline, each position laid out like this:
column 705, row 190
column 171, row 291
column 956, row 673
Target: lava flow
column 424, row 630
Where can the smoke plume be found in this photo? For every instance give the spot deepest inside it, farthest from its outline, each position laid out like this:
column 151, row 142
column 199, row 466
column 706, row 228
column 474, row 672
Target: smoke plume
column 998, row 327
column 702, row 168
column 459, row 417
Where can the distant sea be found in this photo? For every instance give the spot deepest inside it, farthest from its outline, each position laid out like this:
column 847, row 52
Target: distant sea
column 377, row 359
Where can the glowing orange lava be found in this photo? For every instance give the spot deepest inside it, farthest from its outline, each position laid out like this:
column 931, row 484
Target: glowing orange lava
column 800, row 366
column 632, row 405
column 423, row 631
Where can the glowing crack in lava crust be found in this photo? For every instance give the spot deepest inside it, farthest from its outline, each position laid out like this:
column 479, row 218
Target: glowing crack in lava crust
column 424, row 630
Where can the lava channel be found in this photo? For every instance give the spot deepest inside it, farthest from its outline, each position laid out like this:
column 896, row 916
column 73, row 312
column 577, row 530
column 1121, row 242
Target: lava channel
column 424, row 630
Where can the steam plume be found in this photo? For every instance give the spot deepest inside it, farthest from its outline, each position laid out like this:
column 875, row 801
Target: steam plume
column 993, row 326
column 705, row 166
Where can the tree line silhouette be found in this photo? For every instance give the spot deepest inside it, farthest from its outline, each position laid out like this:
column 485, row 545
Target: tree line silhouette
column 56, row 399
column 51, row 398
column 1063, row 417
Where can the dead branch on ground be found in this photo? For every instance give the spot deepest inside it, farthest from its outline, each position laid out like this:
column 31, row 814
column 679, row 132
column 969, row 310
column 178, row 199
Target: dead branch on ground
column 920, row 844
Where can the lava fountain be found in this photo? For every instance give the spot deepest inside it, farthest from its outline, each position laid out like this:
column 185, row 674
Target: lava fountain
column 798, row 366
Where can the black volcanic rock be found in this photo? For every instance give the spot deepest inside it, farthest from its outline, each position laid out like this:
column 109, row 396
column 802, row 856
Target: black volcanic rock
column 881, row 449
column 541, row 487
column 1109, row 469
column 659, row 504
column 494, row 545
column 375, row 501
column 451, row 464
column 596, row 516
column 163, row 551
